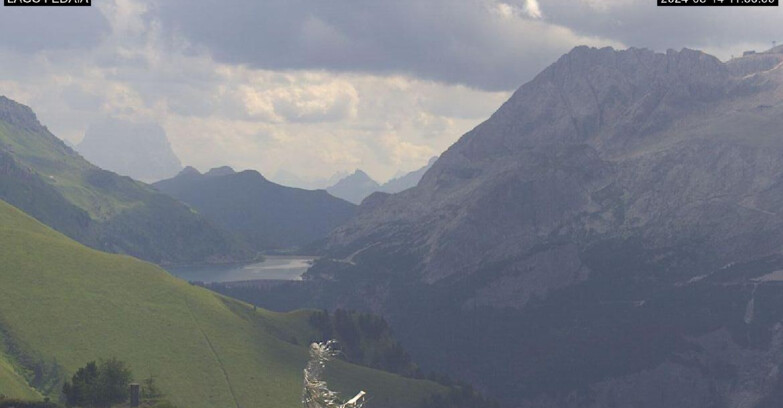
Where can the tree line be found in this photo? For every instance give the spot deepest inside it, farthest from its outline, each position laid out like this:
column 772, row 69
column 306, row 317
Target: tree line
column 99, row 384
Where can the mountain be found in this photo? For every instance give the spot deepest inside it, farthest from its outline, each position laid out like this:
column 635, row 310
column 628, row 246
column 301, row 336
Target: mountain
column 609, row 237
column 63, row 304
column 265, row 214
column 47, row 179
column 406, row 181
column 139, row 150
column 358, row 186
column 355, row 187
column 753, row 62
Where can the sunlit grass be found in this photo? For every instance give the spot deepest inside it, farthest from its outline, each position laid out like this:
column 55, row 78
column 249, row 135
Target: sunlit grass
column 62, row 302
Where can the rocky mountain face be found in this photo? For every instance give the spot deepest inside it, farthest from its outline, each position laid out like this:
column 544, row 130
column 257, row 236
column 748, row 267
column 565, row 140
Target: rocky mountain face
column 264, row 214
column 754, row 62
column 611, row 236
column 138, row 150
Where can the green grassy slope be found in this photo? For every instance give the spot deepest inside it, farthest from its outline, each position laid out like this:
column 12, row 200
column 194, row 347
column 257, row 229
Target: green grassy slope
column 42, row 176
column 64, row 304
column 12, row 384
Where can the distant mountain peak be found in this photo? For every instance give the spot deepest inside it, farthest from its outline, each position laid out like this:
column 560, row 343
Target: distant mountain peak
column 355, row 187
column 254, row 174
column 220, row 171
column 358, row 186
column 189, row 171
column 360, row 173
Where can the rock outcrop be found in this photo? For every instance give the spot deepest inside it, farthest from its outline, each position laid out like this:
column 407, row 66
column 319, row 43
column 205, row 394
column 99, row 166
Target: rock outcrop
column 609, row 186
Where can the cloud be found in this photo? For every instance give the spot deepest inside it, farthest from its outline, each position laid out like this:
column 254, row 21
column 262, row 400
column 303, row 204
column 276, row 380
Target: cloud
column 530, row 9
column 316, row 100
column 533, row 9
column 640, row 23
column 80, row 99
column 397, row 151
column 486, row 44
column 392, row 123
column 32, row 29
column 479, row 43
column 320, row 87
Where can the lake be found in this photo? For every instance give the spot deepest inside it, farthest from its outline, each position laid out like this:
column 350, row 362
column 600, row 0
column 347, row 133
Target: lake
column 272, row 268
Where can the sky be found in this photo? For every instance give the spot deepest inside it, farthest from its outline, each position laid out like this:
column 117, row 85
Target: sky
column 316, row 87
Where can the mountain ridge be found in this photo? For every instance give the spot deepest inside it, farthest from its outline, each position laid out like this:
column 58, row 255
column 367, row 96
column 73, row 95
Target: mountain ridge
column 609, row 186
column 461, row 173
column 407, row 180
column 358, row 185
column 44, row 176
column 265, row 214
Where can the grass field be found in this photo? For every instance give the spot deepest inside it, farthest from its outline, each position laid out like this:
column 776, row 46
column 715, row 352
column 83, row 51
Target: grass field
column 65, row 171
column 12, row 384
column 63, row 304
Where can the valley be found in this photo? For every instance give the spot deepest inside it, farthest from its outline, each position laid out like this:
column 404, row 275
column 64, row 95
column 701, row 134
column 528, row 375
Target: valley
column 273, row 267
column 441, row 204
column 607, row 238
column 63, row 304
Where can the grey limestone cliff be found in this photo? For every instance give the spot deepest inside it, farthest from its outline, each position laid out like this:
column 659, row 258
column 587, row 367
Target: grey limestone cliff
column 611, row 185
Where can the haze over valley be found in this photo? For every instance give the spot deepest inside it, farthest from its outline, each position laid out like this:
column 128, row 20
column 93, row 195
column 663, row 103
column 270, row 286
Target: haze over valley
column 405, row 204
